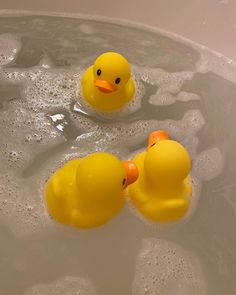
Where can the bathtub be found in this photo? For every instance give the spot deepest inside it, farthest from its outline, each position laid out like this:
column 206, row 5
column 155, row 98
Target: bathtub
column 210, row 23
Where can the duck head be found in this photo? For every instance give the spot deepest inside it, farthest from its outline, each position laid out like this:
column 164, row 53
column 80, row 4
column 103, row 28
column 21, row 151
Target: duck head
column 111, row 72
column 166, row 161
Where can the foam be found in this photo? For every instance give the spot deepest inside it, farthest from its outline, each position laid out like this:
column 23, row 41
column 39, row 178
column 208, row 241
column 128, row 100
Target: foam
column 208, row 164
column 24, row 131
column 187, row 96
column 126, row 133
column 165, row 98
column 169, row 86
column 44, row 87
column 165, row 80
column 9, row 47
column 64, row 286
column 163, row 267
column 49, row 89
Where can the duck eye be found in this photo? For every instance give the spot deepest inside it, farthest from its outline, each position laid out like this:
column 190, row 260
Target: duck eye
column 123, row 182
column 117, row 81
column 99, row 72
column 153, row 144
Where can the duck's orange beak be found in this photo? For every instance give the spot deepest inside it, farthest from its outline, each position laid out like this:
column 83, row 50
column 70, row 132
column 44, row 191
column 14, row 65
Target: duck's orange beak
column 105, row 86
column 132, row 172
column 155, row 136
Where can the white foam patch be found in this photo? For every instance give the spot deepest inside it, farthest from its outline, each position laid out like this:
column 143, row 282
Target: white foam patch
column 208, row 164
column 162, row 98
column 169, row 85
column 9, row 47
column 18, row 76
column 163, row 267
column 45, row 88
column 26, row 133
column 106, row 135
column 166, row 98
column 187, row 96
column 165, row 80
column 64, row 286
column 51, row 89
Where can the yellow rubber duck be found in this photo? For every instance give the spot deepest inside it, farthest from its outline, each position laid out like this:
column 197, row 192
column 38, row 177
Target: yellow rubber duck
column 163, row 190
column 107, row 85
column 87, row 192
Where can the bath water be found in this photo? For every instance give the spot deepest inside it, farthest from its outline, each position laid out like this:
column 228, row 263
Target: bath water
column 181, row 87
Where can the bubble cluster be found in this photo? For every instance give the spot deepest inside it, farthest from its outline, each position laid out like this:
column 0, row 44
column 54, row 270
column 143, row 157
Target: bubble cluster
column 208, row 164
column 163, row 267
column 64, row 286
column 169, row 86
column 105, row 135
column 166, row 80
column 24, row 132
column 51, row 90
column 9, row 47
column 187, row 96
column 165, row 98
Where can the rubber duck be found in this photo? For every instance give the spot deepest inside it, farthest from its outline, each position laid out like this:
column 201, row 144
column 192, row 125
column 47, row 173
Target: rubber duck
column 163, row 190
column 107, row 85
column 89, row 191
